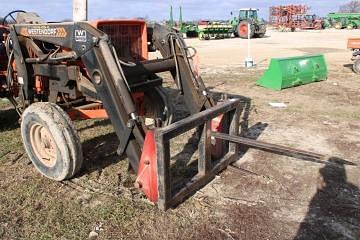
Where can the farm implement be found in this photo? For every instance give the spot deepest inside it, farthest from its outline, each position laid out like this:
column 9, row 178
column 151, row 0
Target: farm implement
column 59, row 72
column 294, row 17
column 343, row 20
column 214, row 30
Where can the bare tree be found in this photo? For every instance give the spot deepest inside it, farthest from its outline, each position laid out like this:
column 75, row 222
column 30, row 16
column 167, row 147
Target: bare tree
column 350, row 7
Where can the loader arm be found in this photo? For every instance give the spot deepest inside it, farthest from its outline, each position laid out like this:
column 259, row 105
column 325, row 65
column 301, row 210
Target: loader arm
column 111, row 77
column 91, row 46
column 172, row 46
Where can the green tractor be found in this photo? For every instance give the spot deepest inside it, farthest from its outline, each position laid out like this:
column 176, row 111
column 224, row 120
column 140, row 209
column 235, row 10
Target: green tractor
column 241, row 23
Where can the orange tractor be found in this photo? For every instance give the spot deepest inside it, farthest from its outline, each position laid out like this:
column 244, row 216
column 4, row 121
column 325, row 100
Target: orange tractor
column 54, row 73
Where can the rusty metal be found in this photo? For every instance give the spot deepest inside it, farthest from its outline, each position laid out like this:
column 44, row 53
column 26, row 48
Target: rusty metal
column 290, row 16
column 282, row 150
column 273, row 148
column 208, row 167
column 128, row 38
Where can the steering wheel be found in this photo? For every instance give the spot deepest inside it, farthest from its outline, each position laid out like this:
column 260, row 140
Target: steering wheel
column 10, row 15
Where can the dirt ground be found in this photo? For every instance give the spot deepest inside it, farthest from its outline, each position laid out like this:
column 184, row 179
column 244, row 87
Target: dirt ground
column 273, row 197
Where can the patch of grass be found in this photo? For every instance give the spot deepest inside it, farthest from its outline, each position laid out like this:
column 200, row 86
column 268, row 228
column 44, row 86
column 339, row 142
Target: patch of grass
column 4, row 103
column 118, row 213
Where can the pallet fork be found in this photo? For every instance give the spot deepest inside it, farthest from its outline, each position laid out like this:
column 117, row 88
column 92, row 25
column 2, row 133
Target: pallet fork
column 157, row 158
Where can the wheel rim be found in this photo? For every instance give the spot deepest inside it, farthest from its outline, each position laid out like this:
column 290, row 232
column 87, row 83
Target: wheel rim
column 243, row 29
column 43, row 145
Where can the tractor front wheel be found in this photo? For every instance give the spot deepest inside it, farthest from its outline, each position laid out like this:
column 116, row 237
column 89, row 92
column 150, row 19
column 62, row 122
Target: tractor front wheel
column 51, row 141
column 356, row 66
column 243, row 30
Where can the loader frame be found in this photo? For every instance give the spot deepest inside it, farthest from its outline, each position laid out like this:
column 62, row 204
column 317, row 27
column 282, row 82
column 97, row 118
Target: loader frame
column 207, row 168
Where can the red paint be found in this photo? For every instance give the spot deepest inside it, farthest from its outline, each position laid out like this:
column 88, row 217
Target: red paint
column 147, row 179
column 138, row 98
column 217, row 126
column 77, row 114
column 243, row 29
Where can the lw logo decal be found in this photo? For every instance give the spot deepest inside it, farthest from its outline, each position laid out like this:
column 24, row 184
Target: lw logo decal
column 80, row 35
column 44, row 31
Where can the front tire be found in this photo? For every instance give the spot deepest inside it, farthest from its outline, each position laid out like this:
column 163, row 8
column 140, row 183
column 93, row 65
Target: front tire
column 51, row 141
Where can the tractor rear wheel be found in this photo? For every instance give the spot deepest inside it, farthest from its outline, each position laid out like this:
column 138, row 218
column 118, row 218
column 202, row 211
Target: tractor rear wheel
column 356, row 66
column 51, row 141
column 243, row 30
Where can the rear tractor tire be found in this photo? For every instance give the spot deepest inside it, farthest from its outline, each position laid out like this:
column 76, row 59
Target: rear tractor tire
column 356, row 66
column 51, row 141
column 243, row 28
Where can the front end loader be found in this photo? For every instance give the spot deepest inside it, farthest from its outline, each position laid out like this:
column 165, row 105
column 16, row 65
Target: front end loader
column 59, row 72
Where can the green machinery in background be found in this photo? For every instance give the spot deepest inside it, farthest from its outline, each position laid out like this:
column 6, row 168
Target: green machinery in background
column 241, row 22
column 343, row 20
column 238, row 26
column 205, row 30
column 188, row 29
column 294, row 71
column 214, row 30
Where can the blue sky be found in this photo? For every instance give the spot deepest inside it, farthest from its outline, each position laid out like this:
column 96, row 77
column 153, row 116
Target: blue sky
column 52, row 10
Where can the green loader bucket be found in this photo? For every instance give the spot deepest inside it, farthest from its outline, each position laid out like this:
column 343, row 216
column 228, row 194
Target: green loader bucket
column 294, row 71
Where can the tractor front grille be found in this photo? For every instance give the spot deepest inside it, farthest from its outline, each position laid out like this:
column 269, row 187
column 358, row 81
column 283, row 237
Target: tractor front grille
column 126, row 38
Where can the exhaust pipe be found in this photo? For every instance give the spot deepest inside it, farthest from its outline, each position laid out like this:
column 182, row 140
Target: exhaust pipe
column 80, row 10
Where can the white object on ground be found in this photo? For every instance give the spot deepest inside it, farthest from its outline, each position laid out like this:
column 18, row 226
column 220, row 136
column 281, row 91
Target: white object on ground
column 249, row 62
column 278, row 105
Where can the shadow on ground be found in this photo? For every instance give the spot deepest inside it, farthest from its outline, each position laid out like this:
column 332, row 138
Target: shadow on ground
column 100, row 153
column 349, row 66
column 334, row 211
column 8, row 119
